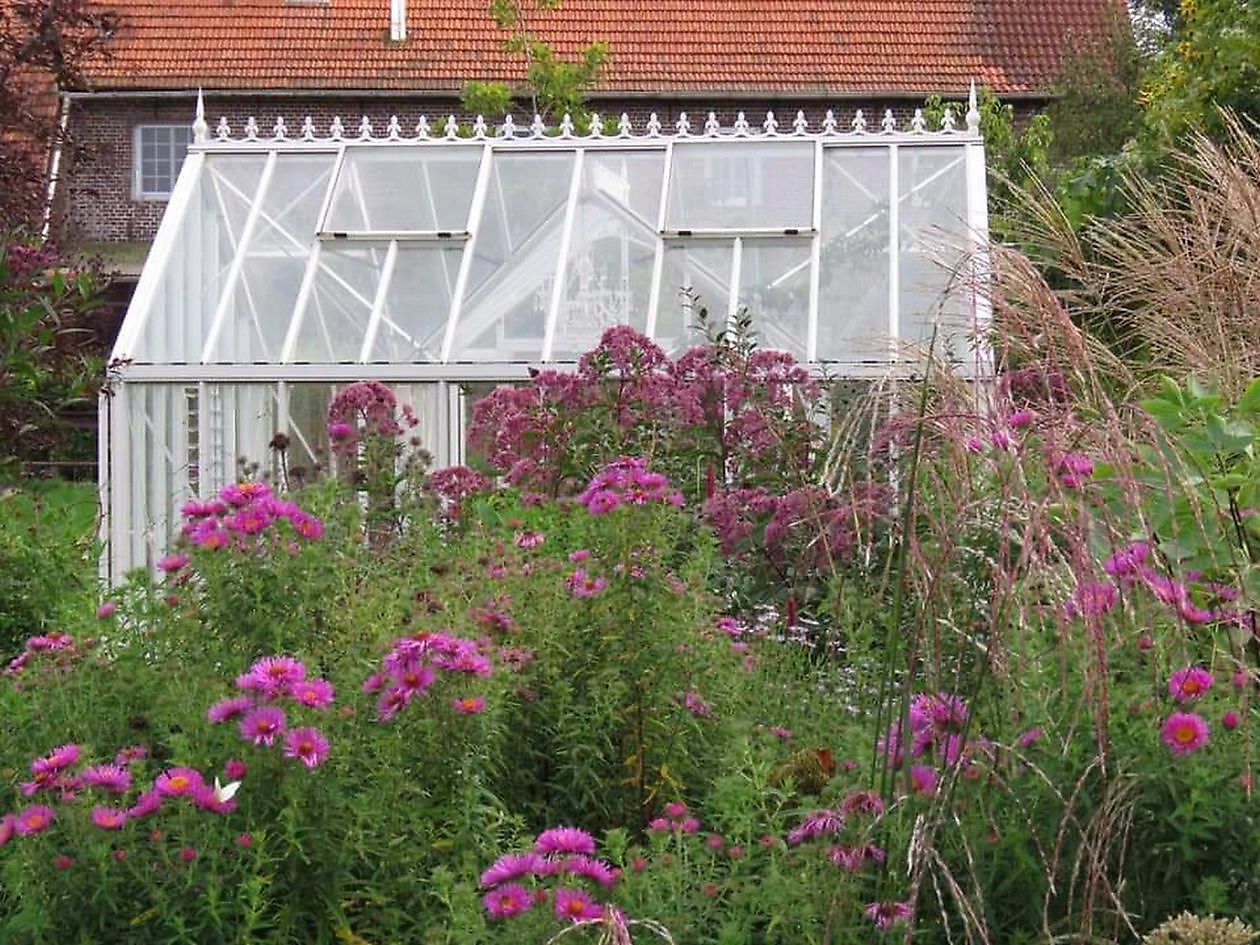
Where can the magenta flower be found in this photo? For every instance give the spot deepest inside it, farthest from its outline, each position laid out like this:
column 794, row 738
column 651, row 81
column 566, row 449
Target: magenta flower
column 581, row 584
column 1231, row 720
column 1073, row 469
column 307, row 745
column 507, row 901
column 1020, row 419
column 576, row 906
column 923, row 780
column 234, row 769
column 56, row 760
column 8, row 827
column 511, row 866
column 106, row 610
column 887, row 914
column 262, row 725
column 1092, row 599
column 308, row 526
column 134, row 753
column 111, row 777
column 530, row 539
column 273, row 676
column 35, row 819
column 244, row 493
column 469, row 705
column 313, row 693
column 590, row 868
column 178, row 782
column 1185, row 733
column 227, row 709
column 565, row 840
column 147, row 803
column 172, row 563
column 818, row 824
column 1190, row 684
column 339, row 431
column 862, row 803
column 108, row 818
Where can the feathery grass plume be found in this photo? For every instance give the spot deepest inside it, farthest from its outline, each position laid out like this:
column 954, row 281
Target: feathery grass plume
column 1190, row 929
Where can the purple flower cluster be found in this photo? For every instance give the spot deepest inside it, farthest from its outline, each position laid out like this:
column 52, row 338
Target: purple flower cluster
column 364, row 407
column 52, row 651
column 628, row 482
column 565, row 854
column 271, row 681
column 1186, row 732
column 454, row 485
column 677, row 818
column 936, row 727
column 411, row 668
column 242, row 516
column 850, row 822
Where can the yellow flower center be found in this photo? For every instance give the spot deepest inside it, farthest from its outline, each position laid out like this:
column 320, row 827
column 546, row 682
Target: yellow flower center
column 1185, row 734
column 35, row 821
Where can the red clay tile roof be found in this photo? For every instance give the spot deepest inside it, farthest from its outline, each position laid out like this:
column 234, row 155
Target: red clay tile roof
column 657, row 46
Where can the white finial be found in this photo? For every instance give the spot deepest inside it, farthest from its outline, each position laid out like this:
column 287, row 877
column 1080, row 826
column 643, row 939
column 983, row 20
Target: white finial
column 508, row 128
column 536, row 128
column 624, row 127
column 947, row 122
column 653, row 126
column 741, row 124
column 973, row 112
column 683, row 125
column 799, row 124
column 279, row 130
column 830, row 124
column 771, row 125
column 200, row 130
column 393, row 130
column 566, row 126
column 918, row 123
column 251, row 129
column 336, row 129
column 711, row 126
column 222, row 131
column 308, row 129
column 596, row 129
column 423, row 130
column 365, row 128
column 888, row 124
column 452, row 128
column 859, row 123
column 480, row 128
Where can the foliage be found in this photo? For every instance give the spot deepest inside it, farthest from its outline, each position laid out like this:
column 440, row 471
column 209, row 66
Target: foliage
column 556, row 86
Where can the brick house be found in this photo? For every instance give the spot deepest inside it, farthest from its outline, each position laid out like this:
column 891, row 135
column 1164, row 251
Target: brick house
column 379, row 58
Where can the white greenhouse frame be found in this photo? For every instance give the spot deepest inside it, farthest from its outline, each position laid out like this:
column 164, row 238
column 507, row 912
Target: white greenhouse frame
column 288, row 265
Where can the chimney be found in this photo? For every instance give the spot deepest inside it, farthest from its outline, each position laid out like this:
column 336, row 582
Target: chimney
column 397, row 20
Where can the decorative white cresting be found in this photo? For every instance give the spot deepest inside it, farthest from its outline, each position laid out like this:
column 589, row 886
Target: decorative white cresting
column 830, row 124
column 423, row 130
column 624, row 128
column 508, row 128
column 308, row 129
column 566, row 126
column 742, row 127
column 597, row 126
column 711, row 126
column 771, row 125
column 336, row 130
column 973, row 112
column 859, row 122
column 947, row 122
column 653, row 126
column 452, row 128
column 683, row 125
column 480, row 128
column 222, row 130
column 918, row 123
column 397, row 20
column 365, row 128
column 279, row 131
column 200, row 130
column 536, row 127
column 393, row 130
column 888, row 124
column 251, row 129
column 799, row 125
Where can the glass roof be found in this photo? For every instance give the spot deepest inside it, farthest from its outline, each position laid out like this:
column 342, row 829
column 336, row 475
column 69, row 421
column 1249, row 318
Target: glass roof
column 504, row 249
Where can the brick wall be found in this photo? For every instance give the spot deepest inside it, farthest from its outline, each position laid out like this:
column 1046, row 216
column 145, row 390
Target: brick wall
column 97, row 191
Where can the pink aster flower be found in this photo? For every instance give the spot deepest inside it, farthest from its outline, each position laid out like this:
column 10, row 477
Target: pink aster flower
column 35, row 819
column 262, row 725
column 1020, row 419
column 178, row 782
column 1231, row 720
column 227, row 709
column 511, row 866
column 108, row 818
column 923, row 780
column 57, row 760
column 147, row 803
column 589, row 868
column 307, row 745
column 313, row 693
column 8, row 827
column 469, row 705
column 111, row 777
column 1185, row 733
column 273, row 676
column 580, row 584
column 172, row 563
column 887, row 914
column 820, row 823
column 106, row 610
column 576, row 906
column 867, row 803
column 530, row 539
column 565, row 840
column 234, row 769
column 133, row 753
column 507, row 901
column 1189, row 684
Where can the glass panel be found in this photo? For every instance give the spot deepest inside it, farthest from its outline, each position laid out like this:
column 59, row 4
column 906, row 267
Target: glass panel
column 504, row 311
column 853, row 281
column 307, row 428
column 933, row 236
column 404, row 189
column 608, row 273
column 774, row 287
column 736, row 184
column 336, row 317
column 695, row 275
column 275, row 260
column 417, row 304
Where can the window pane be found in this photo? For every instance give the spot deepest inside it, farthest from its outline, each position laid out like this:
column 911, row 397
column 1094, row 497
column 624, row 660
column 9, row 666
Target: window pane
column 741, row 184
column 417, row 304
column 391, row 189
column 695, row 276
column 774, row 287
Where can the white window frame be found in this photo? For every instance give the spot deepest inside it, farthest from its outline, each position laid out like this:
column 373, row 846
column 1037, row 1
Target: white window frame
column 138, row 191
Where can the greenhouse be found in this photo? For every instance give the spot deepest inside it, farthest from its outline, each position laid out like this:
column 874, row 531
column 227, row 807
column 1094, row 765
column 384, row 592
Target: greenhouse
column 444, row 259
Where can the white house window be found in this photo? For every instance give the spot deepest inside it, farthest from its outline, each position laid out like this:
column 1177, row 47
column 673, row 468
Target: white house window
column 159, row 154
